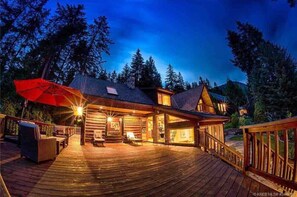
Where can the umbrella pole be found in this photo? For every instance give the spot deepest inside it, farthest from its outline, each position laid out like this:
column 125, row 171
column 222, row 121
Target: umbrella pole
column 24, row 107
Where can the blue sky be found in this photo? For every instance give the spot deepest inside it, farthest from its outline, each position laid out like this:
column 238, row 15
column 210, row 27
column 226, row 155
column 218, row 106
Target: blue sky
column 188, row 34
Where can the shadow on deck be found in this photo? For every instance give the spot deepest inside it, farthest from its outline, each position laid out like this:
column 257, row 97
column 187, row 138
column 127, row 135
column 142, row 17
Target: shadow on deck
column 124, row 170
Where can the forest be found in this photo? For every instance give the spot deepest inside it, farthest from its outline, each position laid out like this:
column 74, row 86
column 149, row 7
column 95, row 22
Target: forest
column 57, row 46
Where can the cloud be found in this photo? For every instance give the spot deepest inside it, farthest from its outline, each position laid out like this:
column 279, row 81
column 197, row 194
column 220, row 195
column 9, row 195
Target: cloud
column 190, row 35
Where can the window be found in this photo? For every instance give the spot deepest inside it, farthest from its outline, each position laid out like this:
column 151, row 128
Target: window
column 164, row 99
column 185, row 136
column 222, row 107
column 111, row 90
column 200, row 105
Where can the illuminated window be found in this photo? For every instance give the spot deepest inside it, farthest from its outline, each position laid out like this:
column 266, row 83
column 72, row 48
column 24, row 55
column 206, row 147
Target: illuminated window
column 185, row 136
column 164, row 99
column 111, row 90
column 200, row 105
column 222, row 107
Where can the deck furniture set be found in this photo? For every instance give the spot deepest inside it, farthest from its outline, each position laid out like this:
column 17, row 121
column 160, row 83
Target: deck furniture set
column 38, row 147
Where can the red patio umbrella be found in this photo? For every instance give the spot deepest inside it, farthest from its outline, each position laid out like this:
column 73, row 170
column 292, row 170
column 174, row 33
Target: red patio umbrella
column 46, row 92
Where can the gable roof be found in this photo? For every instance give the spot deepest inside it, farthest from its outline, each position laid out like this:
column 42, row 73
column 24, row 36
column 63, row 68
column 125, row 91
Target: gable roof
column 187, row 100
column 97, row 87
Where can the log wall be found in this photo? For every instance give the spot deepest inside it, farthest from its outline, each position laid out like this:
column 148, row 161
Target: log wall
column 133, row 124
column 94, row 121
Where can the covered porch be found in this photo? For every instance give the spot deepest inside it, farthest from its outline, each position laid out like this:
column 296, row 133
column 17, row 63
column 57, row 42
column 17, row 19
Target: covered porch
column 154, row 124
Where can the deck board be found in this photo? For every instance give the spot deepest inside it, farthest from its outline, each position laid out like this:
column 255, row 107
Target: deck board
column 124, row 170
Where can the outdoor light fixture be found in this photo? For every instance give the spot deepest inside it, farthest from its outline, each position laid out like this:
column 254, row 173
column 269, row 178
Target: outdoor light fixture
column 78, row 111
column 109, row 119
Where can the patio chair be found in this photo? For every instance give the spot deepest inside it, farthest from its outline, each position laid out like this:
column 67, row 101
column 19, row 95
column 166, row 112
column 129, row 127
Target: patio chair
column 131, row 137
column 98, row 138
column 32, row 146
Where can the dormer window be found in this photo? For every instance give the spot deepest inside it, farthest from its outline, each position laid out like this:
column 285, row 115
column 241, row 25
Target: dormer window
column 111, row 90
column 164, row 99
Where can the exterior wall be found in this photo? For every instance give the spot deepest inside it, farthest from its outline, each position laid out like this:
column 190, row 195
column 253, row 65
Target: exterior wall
column 134, row 124
column 94, row 121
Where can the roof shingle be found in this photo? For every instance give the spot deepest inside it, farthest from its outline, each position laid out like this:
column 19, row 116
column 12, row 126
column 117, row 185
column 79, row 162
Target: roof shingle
column 97, row 87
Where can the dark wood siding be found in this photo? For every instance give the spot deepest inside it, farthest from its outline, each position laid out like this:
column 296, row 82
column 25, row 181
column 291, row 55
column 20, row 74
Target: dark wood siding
column 94, row 121
column 133, row 124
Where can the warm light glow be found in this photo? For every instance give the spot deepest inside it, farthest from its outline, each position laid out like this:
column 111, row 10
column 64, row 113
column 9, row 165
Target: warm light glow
column 133, row 111
column 101, row 107
column 164, row 99
column 78, row 111
column 109, row 119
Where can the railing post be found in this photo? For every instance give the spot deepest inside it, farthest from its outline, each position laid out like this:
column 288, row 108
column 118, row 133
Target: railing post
column 5, row 126
column 205, row 141
column 246, row 142
column 295, row 157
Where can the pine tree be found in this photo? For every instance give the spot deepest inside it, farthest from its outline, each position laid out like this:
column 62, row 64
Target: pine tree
column 125, row 74
column 235, row 96
column 113, row 76
column 179, row 83
column 188, row 85
column 149, row 75
column 137, row 65
column 194, row 84
column 103, row 74
column 270, row 70
column 170, row 80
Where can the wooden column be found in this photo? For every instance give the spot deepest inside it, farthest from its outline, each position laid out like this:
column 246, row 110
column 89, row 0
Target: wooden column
column 196, row 134
column 155, row 127
column 167, row 131
column 83, row 131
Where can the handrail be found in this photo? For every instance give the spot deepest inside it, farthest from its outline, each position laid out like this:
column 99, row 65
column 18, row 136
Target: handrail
column 262, row 157
column 11, row 127
column 4, row 188
column 226, row 153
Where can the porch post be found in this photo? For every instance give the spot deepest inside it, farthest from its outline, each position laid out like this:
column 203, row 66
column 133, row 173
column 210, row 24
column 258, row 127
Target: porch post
column 196, row 134
column 155, row 126
column 167, row 131
column 83, row 131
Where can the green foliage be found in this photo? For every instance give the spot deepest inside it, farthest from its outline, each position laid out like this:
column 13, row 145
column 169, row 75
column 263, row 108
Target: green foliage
column 137, row 65
column 170, row 78
column 271, row 72
column 179, row 84
column 260, row 112
column 8, row 108
column 245, row 120
column 234, row 121
column 149, row 75
column 124, row 75
column 236, row 97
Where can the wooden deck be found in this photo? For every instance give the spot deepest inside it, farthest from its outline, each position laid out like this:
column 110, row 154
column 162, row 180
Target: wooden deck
column 124, row 170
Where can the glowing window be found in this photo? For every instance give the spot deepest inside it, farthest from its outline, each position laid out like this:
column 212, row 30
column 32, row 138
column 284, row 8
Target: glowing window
column 111, row 90
column 200, row 105
column 164, row 99
column 185, row 136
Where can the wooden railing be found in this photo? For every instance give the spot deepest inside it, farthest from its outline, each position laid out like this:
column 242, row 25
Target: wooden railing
column 11, row 127
column 229, row 155
column 266, row 151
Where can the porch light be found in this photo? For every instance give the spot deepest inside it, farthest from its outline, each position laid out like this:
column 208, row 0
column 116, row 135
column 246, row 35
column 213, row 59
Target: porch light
column 78, row 111
column 109, row 119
